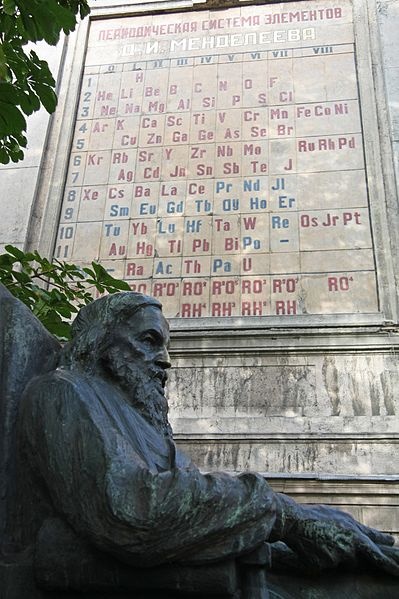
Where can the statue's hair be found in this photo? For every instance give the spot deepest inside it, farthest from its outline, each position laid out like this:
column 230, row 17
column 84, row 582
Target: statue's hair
column 95, row 324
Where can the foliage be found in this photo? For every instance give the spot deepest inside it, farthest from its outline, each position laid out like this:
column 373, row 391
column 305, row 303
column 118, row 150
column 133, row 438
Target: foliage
column 26, row 82
column 69, row 286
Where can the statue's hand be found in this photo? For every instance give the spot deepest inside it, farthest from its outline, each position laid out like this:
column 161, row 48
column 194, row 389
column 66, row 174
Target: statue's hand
column 324, row 538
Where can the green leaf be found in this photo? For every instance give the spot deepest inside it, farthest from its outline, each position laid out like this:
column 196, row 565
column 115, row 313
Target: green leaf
column 29, row 256
column 116, row 284
column 13, row 116
column 47, row 96
column 29, row 102
column 89, row 271
column 66, row 311
column 54, row 323
column 98, row 268
column 22, row 277
column 16, row 155
column 41, row 68
column 27, row 27
column 4, row 157
column 9, row 7
column 64, row 17
column 7, row 24
column 6, row 261
column 3, row 64
column 17, row 253
column 8, row 93
column 84, row 10
column 22, row 140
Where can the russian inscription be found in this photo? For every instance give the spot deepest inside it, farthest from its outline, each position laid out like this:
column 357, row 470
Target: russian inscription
column 218, row 162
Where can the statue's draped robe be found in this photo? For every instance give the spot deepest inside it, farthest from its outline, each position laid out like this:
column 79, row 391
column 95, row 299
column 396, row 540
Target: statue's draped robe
column 124, row 487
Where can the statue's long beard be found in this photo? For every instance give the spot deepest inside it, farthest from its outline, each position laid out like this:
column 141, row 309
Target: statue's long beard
column 148, row 398
column 143, row 392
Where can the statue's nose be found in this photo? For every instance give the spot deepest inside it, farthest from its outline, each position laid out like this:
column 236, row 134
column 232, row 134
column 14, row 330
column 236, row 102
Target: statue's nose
column 163, row 359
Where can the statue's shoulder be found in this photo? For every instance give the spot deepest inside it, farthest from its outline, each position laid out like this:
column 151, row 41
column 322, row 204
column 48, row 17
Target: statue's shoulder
column 59, row 378
column 57, row 389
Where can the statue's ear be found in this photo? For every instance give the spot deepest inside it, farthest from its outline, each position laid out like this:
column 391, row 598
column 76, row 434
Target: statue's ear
column 26, row 350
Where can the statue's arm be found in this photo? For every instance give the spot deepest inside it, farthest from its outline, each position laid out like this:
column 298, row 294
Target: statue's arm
column 108, row 495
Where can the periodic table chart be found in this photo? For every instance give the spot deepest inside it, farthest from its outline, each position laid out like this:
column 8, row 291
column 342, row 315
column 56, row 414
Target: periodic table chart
column 217, row 162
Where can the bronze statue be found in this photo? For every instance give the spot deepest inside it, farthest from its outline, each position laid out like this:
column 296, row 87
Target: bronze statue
column 100, row 479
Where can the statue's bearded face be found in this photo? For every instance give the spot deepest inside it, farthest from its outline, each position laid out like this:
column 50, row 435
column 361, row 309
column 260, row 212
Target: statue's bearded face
column 138, row 360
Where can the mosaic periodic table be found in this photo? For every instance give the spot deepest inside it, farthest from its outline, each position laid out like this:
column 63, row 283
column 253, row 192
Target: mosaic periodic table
column 218, row 163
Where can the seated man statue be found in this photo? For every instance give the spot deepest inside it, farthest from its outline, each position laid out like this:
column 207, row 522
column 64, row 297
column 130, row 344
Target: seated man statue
column 99, row 476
